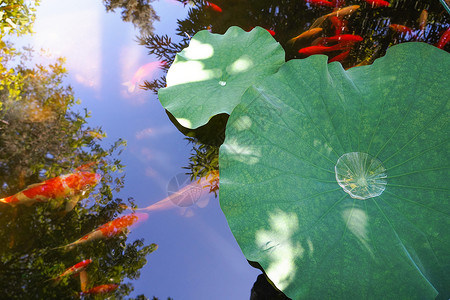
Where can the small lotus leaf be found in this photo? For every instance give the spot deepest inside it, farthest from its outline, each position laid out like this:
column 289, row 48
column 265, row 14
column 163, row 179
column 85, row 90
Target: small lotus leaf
column 336, row 182
column 209, row 77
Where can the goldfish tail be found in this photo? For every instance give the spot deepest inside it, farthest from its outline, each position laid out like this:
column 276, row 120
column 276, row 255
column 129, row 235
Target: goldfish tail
column 291, row 41
column 7, row 200
column 55, row 281
column 65, row 248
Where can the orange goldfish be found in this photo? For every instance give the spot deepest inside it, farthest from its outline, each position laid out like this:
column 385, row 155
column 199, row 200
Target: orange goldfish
column 345, row 11
column 75, row 269
column 101, row 289
column 108, row 230
column 306, row 34
column 400, row 28
column 71, row 185
column 445, row 38
column 423, row 19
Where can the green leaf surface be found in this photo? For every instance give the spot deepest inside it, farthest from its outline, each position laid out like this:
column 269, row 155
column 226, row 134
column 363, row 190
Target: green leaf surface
column 209, row 77
column 279, row 189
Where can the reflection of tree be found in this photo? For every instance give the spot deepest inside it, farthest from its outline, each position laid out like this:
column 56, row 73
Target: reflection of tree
column 41, row 136
column 17, row 16
column 138, row 12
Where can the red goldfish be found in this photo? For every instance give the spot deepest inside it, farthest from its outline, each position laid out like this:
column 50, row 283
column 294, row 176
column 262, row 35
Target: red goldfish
column 321, row 3
column 71, row 185
column 320, row 49
column 400, row 28
column 344, row 38
column 306, row 34
column 108, row 230
column 272, row 32
column 101, row 289
column 340, row 57
column 338, row 24
column 445, row 38
column 378, row 3
column 214, row 6
column 75, row 269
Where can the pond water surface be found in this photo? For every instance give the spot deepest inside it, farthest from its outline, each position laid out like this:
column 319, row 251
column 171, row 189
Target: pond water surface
column 197, row 255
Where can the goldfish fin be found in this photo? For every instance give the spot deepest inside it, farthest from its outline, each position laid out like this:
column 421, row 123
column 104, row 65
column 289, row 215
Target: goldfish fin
column 71, row 203
column 35, row 184
column 318, row 22
column 83, row 280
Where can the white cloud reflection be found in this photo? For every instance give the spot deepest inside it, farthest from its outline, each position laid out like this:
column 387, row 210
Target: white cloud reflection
column 150, row 132
column 75, row 33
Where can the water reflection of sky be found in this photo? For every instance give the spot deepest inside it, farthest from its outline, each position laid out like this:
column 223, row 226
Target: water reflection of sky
column 198, row 257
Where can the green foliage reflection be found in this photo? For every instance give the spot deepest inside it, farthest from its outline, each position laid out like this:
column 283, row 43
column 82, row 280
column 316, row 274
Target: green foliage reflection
column 42, row 136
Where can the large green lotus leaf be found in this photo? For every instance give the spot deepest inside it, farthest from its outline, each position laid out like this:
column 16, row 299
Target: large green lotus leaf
column 278, row 181
column 209, row 77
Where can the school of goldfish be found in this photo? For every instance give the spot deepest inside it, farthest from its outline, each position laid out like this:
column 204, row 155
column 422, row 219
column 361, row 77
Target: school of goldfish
column 71, row 187
column 342, row 42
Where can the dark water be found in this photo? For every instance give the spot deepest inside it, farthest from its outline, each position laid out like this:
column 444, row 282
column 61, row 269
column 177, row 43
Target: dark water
column 42, row 137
